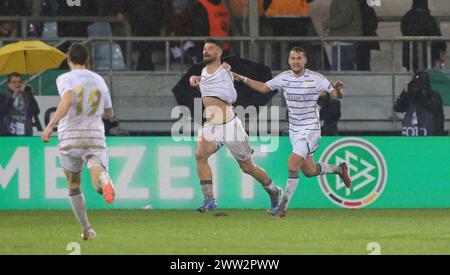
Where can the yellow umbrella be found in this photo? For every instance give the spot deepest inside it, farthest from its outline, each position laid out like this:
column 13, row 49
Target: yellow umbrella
column 29, row 57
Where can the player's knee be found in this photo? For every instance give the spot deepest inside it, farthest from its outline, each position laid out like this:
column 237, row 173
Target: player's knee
column 294, row 163
column 74, row 184
column 201, row 157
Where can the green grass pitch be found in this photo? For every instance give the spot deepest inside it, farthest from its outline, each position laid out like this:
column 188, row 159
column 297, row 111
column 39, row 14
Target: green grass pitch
column 239, row 232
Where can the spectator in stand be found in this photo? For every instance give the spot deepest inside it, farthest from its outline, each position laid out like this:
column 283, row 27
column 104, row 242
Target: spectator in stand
column 18, row 108
column 370, row 25
column 12, row 8
column 178, row 23
column 419, row 22
column 240, row 9
column 146, row 19
column 345, row 20
column 289, row 18
column 8, row 29
column 75, row 29
column 210, row 18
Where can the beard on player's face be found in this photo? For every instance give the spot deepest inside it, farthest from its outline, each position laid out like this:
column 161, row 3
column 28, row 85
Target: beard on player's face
column 209, row 59
column 297, row 68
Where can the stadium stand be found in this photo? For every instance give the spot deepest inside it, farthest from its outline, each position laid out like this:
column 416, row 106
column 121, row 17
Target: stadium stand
column 143, row 99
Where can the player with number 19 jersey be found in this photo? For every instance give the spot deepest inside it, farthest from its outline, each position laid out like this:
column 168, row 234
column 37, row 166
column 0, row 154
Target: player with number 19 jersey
column 82, row 127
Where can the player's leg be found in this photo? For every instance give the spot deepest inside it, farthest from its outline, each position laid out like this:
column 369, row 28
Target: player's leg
column 205, row 149
column 237, row 143
column 78, row 203
column 295, row 162
column 97, row 163
column 301, row 151
column 312, row 169
column 72, row 164
column 248, row 167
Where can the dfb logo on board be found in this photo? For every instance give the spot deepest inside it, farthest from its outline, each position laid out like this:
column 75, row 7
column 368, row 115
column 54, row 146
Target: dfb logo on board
column 367, row 168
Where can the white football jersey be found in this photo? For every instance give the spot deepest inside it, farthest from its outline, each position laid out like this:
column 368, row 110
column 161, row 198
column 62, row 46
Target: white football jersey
column 219, row 84
column 301, row 94
column 83, row 127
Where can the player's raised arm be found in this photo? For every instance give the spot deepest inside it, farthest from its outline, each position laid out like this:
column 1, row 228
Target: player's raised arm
column 338, row 90
column 63, row 108
column 255, row 85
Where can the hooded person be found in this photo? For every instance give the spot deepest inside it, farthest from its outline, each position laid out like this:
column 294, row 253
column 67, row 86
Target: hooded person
column 424, row 113
column 419, row 22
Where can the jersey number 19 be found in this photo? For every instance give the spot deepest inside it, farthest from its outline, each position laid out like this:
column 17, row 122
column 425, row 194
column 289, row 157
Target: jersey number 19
column 94, row 100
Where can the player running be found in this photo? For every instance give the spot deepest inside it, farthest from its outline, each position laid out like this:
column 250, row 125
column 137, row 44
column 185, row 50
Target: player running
column 223, row 127
column 302, row 88
column 85, row 99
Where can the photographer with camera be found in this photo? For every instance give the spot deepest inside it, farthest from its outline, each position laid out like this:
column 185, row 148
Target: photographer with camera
column 18, row 107
column 424, row 113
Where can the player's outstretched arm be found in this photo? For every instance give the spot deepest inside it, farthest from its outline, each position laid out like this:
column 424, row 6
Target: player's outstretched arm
column 61, row 111
column 255, row 85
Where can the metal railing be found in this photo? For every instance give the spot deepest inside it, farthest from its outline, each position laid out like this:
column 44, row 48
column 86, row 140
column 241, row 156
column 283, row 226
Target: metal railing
column 247, row 47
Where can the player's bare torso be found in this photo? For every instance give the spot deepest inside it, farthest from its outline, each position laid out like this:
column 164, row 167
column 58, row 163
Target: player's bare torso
column 217, row 110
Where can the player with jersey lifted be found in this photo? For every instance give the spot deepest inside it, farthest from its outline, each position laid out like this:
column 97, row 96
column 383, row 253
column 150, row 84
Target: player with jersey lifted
column 302, row 88
column 223, row 127
column 85, row 99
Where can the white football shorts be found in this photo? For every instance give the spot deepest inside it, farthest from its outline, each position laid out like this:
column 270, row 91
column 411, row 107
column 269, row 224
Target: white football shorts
column 231, row 134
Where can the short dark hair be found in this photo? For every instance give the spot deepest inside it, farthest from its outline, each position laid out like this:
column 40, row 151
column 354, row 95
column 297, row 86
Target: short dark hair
column 298, row 50
column 78, row 54
column 13, row 75
column 215, row 42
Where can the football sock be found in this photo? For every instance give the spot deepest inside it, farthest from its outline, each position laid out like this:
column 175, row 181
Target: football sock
column 78, row 203
column 207, row 189
column 325, row 169
column 291, row 186
column 271, row 189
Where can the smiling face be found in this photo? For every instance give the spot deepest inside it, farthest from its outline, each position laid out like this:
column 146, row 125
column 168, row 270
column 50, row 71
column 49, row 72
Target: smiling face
column 297, row 61
column 211, row 53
